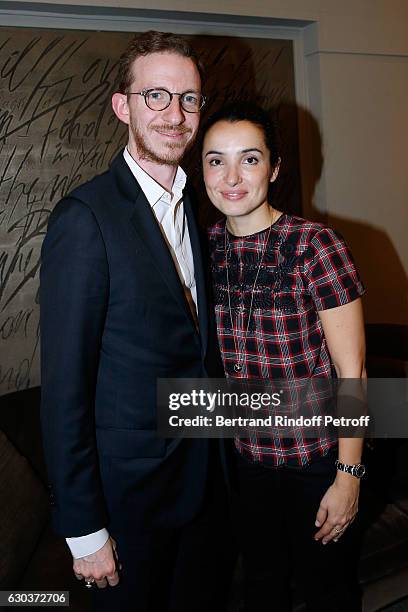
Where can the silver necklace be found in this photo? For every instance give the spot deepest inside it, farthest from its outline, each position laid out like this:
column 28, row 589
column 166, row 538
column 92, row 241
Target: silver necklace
column 240, row 355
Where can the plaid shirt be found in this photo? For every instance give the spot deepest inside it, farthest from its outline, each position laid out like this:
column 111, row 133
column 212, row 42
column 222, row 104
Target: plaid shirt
column 306, row 267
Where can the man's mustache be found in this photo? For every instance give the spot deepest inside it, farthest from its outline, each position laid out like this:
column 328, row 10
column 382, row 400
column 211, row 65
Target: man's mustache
column 172, row 128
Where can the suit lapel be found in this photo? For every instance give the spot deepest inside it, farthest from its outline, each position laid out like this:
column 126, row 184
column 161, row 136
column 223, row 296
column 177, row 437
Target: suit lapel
column 149, row 233
column 198, row 270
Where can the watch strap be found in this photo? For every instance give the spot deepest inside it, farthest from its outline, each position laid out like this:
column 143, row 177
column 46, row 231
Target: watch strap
column 357, row 470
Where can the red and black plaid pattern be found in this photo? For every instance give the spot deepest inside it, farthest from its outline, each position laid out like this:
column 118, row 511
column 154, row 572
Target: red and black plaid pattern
column 306, row 267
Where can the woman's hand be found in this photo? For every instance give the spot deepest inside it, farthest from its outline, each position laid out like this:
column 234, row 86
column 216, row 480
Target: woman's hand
column 344, row 332
column 338, row 507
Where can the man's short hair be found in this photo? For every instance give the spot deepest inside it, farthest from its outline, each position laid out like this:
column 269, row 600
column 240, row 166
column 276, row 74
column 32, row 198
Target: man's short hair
column 147, row 43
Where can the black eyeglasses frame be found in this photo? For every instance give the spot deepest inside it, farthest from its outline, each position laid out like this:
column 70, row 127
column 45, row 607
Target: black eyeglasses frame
column 145, row 92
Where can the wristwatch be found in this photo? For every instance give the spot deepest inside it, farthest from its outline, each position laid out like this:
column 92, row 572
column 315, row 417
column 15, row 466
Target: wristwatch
column 358, row 470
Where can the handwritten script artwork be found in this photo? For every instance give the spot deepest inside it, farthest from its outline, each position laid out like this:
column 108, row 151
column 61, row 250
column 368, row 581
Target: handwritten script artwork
column 57, row 130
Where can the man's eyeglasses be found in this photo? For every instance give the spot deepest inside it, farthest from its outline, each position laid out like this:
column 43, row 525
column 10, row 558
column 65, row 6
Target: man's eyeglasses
column 160, row 99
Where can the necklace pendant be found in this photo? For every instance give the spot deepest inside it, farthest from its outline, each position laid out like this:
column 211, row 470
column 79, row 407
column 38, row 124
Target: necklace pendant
column 237, row 367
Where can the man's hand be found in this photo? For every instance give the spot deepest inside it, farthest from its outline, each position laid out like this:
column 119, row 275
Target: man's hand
column 100, row 566
column 338, row 508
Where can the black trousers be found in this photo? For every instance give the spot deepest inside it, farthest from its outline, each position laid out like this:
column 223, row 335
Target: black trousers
column 177, row 570
column 276, row 512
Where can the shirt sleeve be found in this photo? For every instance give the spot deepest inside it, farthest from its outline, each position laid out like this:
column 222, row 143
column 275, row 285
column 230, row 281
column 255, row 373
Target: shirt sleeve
column 331, row 275
column 88, row 544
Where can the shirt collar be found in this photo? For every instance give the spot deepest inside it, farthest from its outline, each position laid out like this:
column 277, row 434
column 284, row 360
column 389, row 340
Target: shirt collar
column 151, row 188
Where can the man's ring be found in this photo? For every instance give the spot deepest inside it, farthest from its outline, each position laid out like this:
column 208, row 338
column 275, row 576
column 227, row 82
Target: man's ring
column 337, row 530
column 89, row 583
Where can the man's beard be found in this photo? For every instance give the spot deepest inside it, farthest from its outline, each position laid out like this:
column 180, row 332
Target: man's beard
column 175, row 150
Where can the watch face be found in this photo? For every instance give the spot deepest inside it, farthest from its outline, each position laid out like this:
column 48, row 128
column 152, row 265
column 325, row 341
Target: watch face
column 359, row 471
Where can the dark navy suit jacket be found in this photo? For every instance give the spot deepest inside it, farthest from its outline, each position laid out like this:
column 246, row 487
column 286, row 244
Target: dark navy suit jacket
column 114, row 318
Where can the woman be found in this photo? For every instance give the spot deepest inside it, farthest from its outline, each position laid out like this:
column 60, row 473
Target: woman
column 288, row 306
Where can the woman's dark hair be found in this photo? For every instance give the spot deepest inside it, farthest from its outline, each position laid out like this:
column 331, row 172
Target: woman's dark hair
column 247, row 111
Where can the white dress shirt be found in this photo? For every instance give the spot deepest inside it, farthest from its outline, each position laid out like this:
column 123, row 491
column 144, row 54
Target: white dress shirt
column 169, row 212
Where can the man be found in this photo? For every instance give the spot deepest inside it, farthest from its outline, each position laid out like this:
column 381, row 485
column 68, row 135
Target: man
column 123, row 303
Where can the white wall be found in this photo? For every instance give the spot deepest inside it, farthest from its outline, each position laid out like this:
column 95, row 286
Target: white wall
column 378, row 26
column 365, row 127
column 356, row 68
